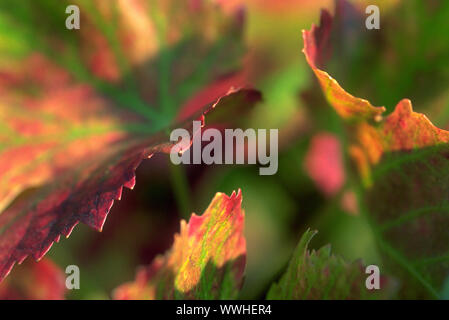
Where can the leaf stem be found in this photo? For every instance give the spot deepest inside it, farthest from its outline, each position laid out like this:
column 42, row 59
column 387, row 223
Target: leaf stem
column 181, row 189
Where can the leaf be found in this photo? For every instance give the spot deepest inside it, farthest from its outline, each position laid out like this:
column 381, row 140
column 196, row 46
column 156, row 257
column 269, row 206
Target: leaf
column 86, row 194
column 313, row 275
column 88, row 100
column 79, row 111
column 323, row 163
column 315, row 47
column 35, row 281
column 411, row 38
column 206, row 261
column 402, row 159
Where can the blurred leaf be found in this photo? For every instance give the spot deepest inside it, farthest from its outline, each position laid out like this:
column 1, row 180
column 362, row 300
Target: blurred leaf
column 207, row 260
column 324, row 163
column 411, row 38
column 316, row 47
column 35, row 281
column 313, row 275
column 403, row 162
column 83, row 193
column 80, row 109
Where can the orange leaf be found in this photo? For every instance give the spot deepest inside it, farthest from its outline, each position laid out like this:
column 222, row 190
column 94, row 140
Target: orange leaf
column 324, row 163
column 403, row 129
column 207, row 260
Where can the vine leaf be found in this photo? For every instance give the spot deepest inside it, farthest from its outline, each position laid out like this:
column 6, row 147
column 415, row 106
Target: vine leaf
column 72, row 110
column 80, row 109
column 316, row 50
column 317, row 275
column 403, row 162
column 206, row 261
column 84, row 194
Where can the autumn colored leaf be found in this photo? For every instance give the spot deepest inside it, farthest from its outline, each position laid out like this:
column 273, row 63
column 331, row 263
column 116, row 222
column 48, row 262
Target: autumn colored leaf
column 411, row 38
column 35, row 281
column 402, row 159
column 74, row 126
column 86, row 193
column 206, row 261
column 317, row 275
column 316, row 46
column 31, row 99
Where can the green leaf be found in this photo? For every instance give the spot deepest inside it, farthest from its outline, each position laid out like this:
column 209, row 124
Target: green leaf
column 313, row 275
column 409, row 212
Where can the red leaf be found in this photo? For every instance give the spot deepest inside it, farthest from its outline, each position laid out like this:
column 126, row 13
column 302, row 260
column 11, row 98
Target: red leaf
column 77, row 123
column 316, row 50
